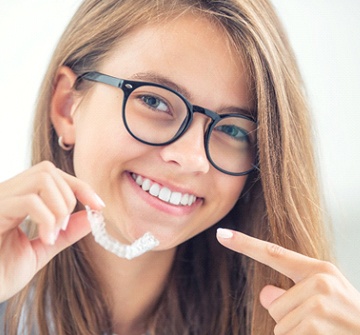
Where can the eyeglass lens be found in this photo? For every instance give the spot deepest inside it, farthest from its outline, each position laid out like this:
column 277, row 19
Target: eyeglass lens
column 155, row 115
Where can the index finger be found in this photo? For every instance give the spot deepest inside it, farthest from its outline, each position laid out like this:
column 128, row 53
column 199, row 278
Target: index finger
column 290, row 263
column 83, row 192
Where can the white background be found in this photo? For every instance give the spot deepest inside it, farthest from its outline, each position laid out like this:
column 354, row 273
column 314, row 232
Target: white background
column 325, row 36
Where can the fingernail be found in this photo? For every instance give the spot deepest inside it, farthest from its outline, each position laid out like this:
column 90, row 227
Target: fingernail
column 224, row 233
column 53, row 236
column 99, row 200
column 65, row 223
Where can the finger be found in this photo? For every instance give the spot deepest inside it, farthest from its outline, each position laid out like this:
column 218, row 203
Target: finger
column 42, row 180
column 57, row 196
column 10, row 215
column 13, row 210
column 83, row 192
column 313, row 312
column 46, row 194
column 78, row 228
column 269, row 294
column 328, row 282
column 30, row 182
column 70, row 188
column 289, row 263
column 26, row 181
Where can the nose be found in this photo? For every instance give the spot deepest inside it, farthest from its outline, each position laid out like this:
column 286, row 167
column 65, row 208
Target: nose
column 187, row 153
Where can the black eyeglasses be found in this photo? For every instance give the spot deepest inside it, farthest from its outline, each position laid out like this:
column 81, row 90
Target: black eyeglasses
column 158, row 115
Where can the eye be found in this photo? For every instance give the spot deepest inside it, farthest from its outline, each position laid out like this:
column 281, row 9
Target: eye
column 155, row 103
column 234, row 132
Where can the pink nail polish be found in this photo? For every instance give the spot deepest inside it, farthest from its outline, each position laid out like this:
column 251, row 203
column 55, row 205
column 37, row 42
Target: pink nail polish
column 99, row 200
column 224, row 233
column 51, row 238
column 65, row 223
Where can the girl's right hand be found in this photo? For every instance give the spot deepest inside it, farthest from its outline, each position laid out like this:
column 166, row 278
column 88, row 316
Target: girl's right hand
column 48, row 196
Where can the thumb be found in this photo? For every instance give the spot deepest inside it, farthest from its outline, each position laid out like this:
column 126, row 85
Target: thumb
column 269, row 294
column 77, row 228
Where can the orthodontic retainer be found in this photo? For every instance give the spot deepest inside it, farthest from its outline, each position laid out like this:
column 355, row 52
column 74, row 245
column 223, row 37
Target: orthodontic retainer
column 140, row 246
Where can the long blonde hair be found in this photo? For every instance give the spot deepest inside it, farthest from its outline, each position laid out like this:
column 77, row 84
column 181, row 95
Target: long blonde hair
column 210, row 290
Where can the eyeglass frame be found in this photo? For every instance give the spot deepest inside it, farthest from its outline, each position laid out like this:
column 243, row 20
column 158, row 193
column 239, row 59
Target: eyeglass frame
column 128, row 86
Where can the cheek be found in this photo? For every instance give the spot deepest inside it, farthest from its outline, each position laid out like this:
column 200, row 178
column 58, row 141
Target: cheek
column 104, row 150
column 231, row 190
column 223, row 196
column 100, row 138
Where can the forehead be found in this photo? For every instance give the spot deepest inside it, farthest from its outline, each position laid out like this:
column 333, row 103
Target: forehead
column 179, row 36
column 192, row 51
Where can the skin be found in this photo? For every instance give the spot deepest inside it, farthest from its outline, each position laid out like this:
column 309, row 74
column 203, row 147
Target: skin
column 104, row 155
column 130, row 212
column 321, row 301
column 47, row 195
column 155, row 49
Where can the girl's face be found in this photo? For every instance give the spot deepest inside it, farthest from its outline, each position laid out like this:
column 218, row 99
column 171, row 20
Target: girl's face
column 192, row 54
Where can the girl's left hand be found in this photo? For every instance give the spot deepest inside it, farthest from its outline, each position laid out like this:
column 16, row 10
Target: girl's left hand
column 322, row 301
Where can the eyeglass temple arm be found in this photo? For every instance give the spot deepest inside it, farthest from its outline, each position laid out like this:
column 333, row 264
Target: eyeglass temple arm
column 102, row 78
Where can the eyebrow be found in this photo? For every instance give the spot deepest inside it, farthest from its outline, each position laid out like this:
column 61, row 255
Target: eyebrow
column 162, row 80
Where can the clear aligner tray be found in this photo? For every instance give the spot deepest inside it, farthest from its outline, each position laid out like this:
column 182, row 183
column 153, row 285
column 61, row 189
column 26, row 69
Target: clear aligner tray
column 140, row 246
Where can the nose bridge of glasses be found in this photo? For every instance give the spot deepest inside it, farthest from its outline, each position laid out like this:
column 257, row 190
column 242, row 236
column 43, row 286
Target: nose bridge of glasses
column 210, row 116
column 203, row 111
column 207, row 112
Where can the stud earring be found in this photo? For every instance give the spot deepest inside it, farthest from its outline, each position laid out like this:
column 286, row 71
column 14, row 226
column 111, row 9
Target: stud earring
column 62, row 145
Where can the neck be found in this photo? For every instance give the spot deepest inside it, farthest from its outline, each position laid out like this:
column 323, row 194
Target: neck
column 133, row 286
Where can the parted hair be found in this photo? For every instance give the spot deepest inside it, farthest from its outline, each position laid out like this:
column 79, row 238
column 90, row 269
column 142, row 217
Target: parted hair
column 210, row 290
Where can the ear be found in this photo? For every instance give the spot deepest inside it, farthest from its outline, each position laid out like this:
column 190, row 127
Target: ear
column 63, row 104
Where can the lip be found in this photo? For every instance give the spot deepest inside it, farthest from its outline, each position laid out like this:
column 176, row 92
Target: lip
column 162, row 205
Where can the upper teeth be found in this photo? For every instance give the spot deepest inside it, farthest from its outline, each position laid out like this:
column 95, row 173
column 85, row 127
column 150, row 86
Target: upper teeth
column 163, row 193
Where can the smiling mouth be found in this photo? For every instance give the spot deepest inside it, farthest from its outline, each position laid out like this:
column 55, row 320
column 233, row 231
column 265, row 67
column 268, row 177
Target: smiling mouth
column 164, row 193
